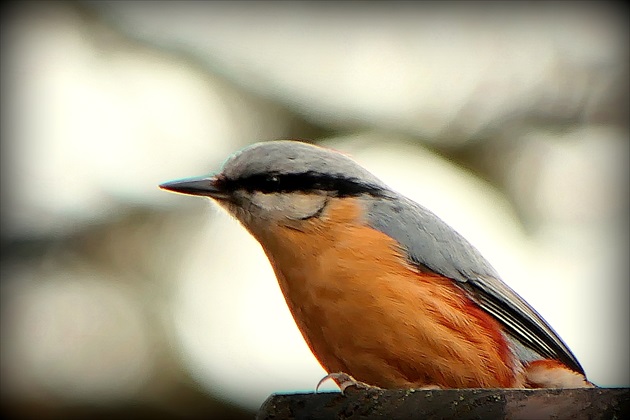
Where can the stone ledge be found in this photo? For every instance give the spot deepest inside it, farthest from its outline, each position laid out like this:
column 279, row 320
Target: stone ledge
column 589, row 403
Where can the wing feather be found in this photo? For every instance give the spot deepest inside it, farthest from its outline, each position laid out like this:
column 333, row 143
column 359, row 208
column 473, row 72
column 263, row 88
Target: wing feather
column 431, row 243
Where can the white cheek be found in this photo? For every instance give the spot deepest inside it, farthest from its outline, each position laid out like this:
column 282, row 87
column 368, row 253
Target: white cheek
column 278, row 206
column 265, row 203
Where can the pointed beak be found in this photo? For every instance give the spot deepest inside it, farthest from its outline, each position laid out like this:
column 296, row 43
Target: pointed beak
column 202, row 186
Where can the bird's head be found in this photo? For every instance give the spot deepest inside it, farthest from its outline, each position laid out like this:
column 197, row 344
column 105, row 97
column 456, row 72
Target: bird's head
column 282, row 182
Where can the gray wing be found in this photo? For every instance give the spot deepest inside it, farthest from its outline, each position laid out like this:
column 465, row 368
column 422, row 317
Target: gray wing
column 431, row 243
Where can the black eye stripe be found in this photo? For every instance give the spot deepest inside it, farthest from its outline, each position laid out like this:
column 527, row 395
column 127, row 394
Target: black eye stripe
column 303, row 182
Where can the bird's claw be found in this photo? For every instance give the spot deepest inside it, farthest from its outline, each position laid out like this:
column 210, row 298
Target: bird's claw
column 344, row 381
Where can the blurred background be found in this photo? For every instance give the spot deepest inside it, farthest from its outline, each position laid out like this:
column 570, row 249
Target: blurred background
column 509, row 120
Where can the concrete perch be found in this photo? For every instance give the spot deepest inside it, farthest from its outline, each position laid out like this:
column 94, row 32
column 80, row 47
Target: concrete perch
column 585, row 403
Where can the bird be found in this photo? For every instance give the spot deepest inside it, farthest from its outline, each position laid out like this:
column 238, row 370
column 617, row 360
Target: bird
column 385, row 293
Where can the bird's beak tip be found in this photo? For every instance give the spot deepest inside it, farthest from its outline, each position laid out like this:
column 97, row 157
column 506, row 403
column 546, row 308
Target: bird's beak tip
column 169, row 186
column 201, row 186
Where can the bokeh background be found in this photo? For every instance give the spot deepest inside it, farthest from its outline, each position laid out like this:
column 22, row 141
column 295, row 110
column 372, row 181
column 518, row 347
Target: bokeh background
column 509, row 120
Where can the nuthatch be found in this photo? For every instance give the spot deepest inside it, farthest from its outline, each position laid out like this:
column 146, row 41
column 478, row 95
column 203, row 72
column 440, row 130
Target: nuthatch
column 384, row 292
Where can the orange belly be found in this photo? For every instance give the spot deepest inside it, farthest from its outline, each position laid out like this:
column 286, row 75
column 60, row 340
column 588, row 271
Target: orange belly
column 365, row 311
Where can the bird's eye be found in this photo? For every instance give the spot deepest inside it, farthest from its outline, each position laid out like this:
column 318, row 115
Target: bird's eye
column 270, row 183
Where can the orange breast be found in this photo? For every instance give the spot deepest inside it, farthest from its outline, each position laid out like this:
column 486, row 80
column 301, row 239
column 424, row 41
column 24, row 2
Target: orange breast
column 365, row 311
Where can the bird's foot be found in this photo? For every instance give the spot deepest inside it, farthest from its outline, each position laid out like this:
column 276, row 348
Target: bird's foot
column 427, row 388
column 344, row 381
